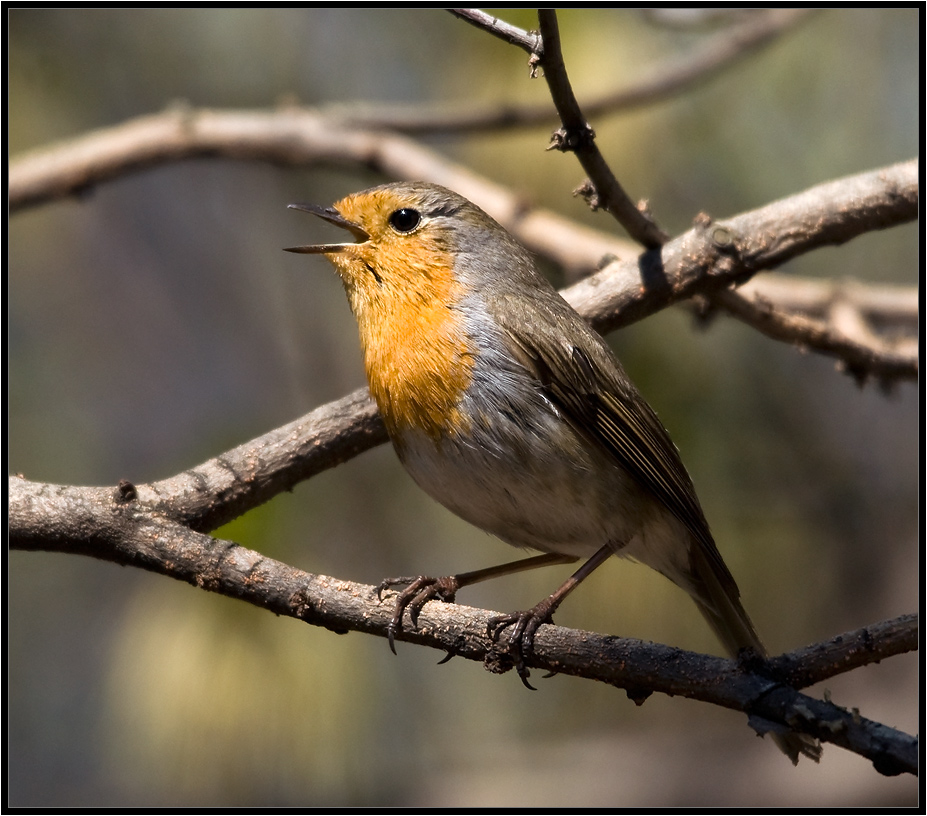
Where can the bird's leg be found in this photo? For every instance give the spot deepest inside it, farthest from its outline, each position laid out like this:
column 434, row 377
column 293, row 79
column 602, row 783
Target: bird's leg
column 421, row 589
column 526, row 624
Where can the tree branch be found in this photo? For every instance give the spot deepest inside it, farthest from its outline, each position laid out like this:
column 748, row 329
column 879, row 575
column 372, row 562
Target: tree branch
column 691, row 264
column 851, row 650
column 289, row 136
column 716, row 255
column 859, row 352
column 119, row 526
column 227, row 486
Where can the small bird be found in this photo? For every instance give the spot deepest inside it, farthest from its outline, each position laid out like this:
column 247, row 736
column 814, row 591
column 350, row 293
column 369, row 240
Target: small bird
column 507, row 408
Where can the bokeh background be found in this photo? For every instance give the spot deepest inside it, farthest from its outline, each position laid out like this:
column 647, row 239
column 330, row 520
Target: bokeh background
column 155, row 323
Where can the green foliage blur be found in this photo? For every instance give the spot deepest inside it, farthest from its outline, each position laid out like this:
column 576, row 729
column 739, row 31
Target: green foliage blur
column 155, row 322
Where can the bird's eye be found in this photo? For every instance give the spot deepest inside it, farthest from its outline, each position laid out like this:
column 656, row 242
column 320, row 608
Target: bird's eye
column 405, row 220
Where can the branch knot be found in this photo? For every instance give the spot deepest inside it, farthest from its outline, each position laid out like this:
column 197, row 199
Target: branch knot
column 569, row 140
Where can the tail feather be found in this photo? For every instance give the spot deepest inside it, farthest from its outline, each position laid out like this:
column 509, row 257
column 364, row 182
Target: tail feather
column 718, row 600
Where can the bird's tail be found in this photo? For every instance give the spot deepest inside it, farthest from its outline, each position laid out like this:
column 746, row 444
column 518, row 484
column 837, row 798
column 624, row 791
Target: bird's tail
column 718, row 600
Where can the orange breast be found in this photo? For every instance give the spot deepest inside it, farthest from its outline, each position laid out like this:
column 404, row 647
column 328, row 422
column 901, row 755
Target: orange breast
column 416, row 350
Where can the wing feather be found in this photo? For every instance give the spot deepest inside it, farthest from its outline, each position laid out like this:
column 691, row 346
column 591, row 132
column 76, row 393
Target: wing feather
column 590, row 388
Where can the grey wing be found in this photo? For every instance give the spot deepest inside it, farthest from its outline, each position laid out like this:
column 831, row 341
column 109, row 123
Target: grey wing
column 586, row 382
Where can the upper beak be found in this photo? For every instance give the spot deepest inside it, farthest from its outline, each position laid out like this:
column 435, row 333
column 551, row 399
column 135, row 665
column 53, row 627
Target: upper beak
column 334, row 217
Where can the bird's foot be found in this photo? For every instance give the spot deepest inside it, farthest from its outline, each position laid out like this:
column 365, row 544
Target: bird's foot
column 520, row 645
column 419, row 591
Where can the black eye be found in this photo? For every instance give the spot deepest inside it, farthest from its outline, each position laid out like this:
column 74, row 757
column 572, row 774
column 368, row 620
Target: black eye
column 405, row 220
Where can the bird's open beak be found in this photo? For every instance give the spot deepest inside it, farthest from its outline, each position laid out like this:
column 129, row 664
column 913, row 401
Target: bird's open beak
column 334, row 217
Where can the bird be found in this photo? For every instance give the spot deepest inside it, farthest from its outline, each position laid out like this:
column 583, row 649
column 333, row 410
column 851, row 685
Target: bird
column 506, row 407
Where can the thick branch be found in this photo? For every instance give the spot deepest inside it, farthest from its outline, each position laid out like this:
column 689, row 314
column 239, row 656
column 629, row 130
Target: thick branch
column 113, row 525
column 224, row 488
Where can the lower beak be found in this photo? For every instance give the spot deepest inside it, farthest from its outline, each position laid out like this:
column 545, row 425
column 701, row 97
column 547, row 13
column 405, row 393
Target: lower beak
column 333, row 217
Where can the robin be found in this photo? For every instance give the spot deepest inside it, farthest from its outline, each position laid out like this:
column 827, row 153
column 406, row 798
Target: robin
column 507, row 408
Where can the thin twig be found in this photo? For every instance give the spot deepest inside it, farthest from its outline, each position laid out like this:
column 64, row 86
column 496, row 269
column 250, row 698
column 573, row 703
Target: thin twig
column 530, row 41
column 578, row 137
column 716, row 54
column 884, row 307
column 664, row 81
column 862, row 357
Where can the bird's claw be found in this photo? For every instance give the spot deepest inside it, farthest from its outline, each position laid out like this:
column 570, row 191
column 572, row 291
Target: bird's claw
column 419, row 591
column 521, row 641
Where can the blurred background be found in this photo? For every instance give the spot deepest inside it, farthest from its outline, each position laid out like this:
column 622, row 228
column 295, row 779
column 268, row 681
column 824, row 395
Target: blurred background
column 156, row 322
